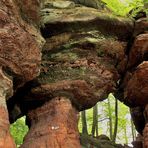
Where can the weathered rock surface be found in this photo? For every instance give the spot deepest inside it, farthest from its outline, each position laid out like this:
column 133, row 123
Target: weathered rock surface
column 81, row 60
column 60, row 4
column 87, row 55
column 137, row 87
column 145, row 131
column 53, row 125
column 97, row 4
column 138, row 118
column 80, row 57
column 141, row 26
column 138, row 143
column 136, row 54
column 139, row 51
column 82, row 19
column 81, row 68
column 29, row 10
column 101, row 141
column 20, row 56
column 5, row 92
column 20, row 44
column 133, row 88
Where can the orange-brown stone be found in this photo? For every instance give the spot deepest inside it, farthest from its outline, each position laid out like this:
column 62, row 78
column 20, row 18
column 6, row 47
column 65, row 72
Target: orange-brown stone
column 53, row 125
column 20, row 43
column 137, row 88
column 6, row 140
column 145, row 136
column 139, row 50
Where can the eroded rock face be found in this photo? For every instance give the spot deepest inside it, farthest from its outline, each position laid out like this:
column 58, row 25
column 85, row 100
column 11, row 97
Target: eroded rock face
column 81, row 61
column 5, row 92
column 138, row 118
column 20, row 44
column 53, row 125
column 81, row 58
column 29, row 10
column 141, row 26
column 20, row 55
column 138, row 143
column 137, row 87
column 139, row 51
column 82, row 18
column 134, row 85
column 80, row 66
column 145, row 133
column 85, row 72
column 84, row 57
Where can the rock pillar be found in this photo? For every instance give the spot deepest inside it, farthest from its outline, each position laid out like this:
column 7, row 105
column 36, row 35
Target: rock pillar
column 53, row 125
column 145, row 131
column 6, row 140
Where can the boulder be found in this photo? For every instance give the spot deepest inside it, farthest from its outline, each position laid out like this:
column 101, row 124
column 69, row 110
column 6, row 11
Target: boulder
column 139, row 51
column 137, row 88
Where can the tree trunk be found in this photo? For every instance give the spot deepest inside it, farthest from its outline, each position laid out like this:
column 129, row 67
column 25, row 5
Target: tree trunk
column 53, row 125
column 110, row 120
column 95, row 121
column 125, row 135
column 116, row 121
column 84, row 122
column 132, row 130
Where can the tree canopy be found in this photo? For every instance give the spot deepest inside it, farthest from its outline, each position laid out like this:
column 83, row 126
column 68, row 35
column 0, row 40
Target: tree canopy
column 123, row 7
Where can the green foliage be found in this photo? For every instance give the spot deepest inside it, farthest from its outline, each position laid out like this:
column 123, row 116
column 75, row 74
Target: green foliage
column 123, row 7
column 18, row 130
column 124, row 132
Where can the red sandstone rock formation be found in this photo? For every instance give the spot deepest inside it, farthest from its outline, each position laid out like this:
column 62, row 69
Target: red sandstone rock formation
column 85, row 55
column 20, row 57
column 5, row 92
column 80, row 64
column 136, row 83
column 53, row 125
column 145, row 131
column 20, row 45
